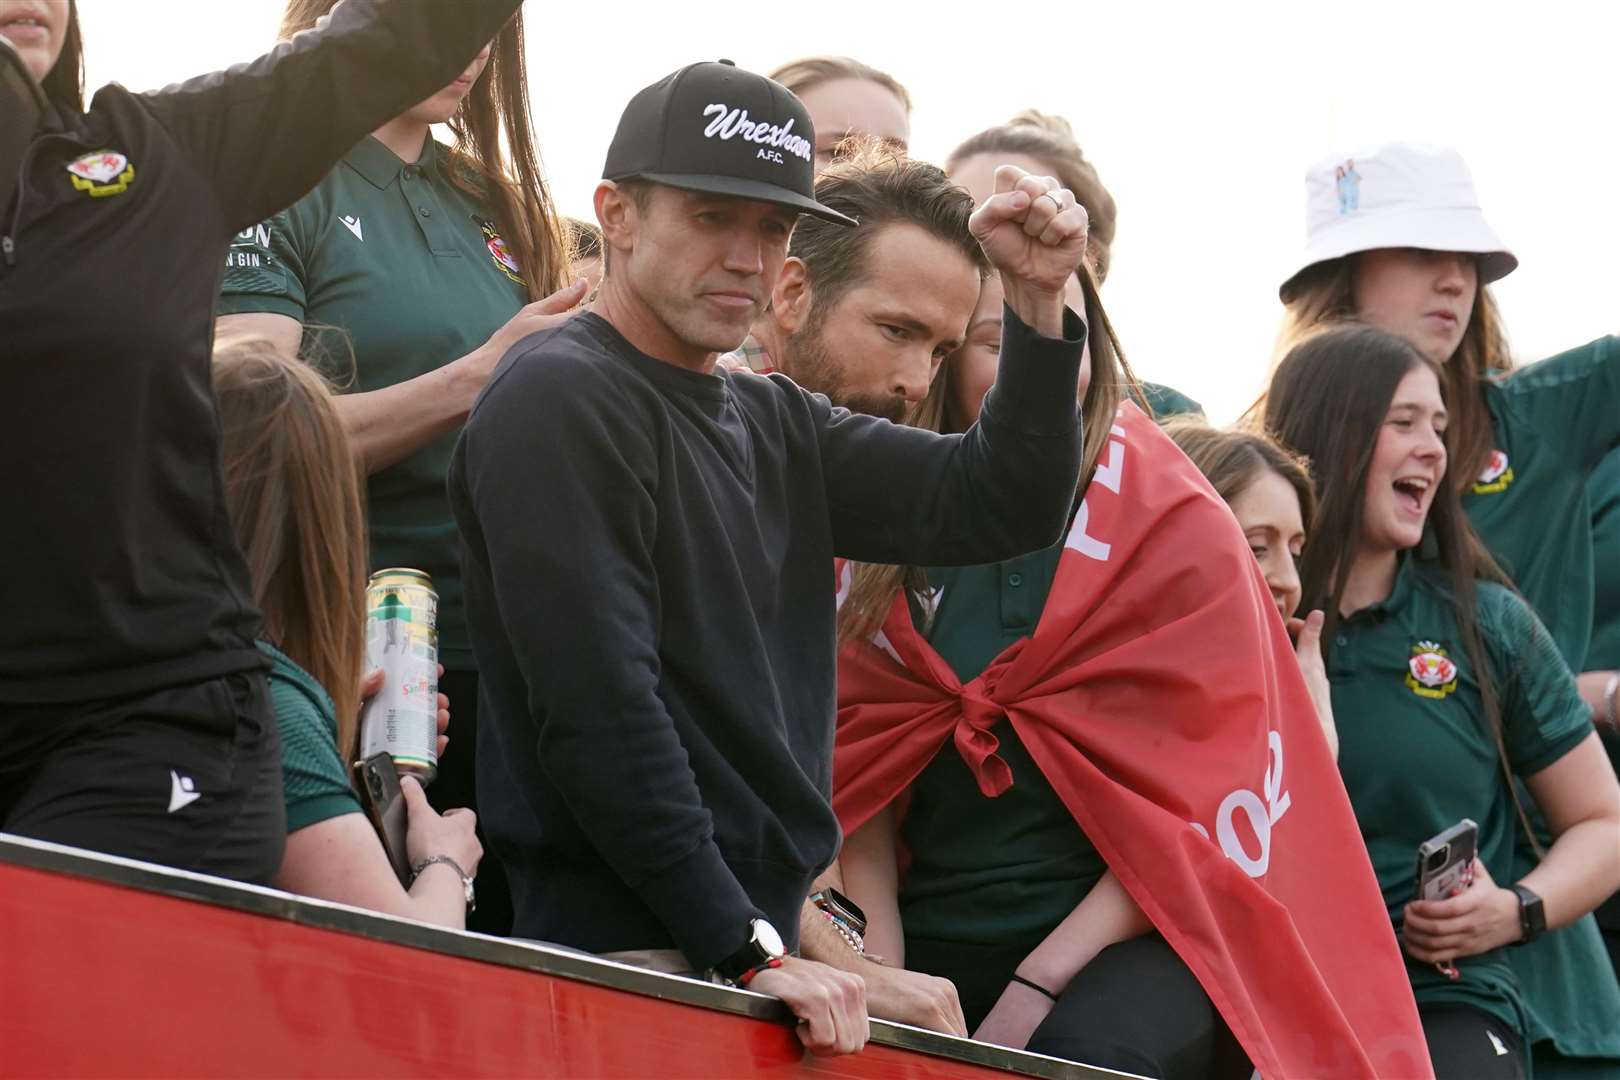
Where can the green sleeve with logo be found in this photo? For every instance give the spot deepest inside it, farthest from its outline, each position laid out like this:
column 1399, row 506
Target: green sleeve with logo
column 264, row 271
column 1552, row 422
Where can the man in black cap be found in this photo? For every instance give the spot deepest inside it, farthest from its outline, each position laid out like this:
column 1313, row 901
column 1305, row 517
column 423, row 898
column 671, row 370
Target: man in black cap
column 648, row 547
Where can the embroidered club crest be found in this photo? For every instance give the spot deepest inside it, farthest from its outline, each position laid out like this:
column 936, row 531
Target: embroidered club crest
column 1496, row 476
column 497, row 251
column 1430, row 673
column 104, row 172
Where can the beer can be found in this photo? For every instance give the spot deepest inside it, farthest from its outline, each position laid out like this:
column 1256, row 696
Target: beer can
column 402, row 638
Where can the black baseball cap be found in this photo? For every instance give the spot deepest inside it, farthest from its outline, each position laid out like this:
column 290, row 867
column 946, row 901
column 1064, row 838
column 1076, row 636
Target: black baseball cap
column 715, row 128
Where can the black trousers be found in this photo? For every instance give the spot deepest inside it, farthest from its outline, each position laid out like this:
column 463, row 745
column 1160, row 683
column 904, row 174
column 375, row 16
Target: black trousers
column 187, row 776
column 1136, row 1008
column 1468, row 1044
column 457, row 785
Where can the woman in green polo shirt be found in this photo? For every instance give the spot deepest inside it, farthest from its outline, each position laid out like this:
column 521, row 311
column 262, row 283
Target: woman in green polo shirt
column 425, row 263
column 294, row 505
column 1444, row 683
column 1396, row 239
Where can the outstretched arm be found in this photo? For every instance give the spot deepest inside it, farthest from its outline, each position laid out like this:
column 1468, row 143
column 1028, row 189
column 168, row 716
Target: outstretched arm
column 264, row 132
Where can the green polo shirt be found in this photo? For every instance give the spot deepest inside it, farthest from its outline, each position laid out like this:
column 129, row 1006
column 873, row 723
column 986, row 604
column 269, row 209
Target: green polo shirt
column 314, row 782
column 408, row 267
column 1004, row 870
column 1167, row 401
column 1554, row 422
column 1415, row 754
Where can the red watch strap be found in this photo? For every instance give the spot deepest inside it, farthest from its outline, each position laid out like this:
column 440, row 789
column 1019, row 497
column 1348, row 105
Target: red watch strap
column 748, row 976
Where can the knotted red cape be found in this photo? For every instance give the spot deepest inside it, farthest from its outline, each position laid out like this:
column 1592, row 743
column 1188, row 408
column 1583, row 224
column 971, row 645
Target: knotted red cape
column 1160, row 697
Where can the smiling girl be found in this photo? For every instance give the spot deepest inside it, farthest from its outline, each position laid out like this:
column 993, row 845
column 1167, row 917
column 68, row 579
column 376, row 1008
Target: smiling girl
column 1445, row 686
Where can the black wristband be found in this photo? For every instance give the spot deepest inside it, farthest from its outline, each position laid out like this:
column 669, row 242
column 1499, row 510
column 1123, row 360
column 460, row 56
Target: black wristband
column 1037, row 987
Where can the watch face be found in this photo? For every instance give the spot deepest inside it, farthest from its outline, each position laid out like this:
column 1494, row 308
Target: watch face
column 766, row 937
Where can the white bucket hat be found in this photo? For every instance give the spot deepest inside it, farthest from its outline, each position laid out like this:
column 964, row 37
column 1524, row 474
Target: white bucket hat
column 1397, row 195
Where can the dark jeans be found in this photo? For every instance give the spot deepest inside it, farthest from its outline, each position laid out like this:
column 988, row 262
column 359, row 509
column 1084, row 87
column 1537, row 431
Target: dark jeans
column 1468, row 1044
column 1136, row 1008
column 187, row 776
column 456, row 785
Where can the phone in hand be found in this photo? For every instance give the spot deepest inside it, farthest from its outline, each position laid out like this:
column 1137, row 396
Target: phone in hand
column 22, row 103
column 378, row 782
column 1445, row 868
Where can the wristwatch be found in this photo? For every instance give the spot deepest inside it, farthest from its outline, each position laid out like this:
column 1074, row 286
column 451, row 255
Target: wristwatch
column 1532, row 916
column 845, row 915
column 466, row 879
column 764, row 949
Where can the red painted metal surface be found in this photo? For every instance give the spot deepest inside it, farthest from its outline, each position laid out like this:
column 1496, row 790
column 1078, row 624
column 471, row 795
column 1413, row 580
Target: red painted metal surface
column 102, row 980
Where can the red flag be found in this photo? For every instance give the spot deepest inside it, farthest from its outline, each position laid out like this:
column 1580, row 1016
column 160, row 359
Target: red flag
column 1160, row 697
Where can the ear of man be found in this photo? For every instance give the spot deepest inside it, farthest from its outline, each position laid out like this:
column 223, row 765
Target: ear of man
column 618, row 213
column 792, row 296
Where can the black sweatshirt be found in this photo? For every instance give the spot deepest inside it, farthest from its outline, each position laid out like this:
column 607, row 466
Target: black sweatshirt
column 648, row 556
column 119, row 572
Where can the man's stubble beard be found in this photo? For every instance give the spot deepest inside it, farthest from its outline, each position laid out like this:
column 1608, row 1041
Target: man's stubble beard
column 811, row 364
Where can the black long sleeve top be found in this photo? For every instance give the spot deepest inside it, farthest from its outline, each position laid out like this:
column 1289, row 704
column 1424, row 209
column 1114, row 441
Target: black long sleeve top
column 648, row 556
column 119, row 572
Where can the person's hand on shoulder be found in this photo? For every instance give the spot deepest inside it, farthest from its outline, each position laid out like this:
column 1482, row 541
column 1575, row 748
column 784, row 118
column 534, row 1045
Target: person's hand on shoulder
column 472, row 371
column 830, row 1004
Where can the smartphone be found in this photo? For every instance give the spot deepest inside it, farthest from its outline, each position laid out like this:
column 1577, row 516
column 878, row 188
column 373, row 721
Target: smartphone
column 22, row 103
column 1445, row 862
column 378, row 782
column 1445, row 867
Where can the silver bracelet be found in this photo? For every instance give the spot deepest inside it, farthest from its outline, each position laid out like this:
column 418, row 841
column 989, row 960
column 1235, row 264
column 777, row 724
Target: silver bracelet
column 466, row 878
column 1609, row 703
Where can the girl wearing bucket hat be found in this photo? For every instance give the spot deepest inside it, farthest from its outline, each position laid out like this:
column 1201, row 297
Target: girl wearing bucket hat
column 1396, row 238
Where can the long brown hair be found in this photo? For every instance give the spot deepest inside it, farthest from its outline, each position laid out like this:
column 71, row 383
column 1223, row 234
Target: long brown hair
column 1050, row 139
column 494, row 158
column 64, row 83
column 1233, row 460
column 1328, row 400
column 293, row 490
column 873, row 585
column 1324, row 295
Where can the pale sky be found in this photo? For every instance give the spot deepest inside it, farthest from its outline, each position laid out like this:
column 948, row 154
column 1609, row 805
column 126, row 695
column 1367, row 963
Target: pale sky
column 1201, row 119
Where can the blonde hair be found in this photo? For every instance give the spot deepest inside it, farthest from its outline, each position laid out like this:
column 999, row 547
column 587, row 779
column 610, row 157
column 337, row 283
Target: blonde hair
column 812, row 71
column 873, row 585
column 293, row 491
column 1322, row 297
